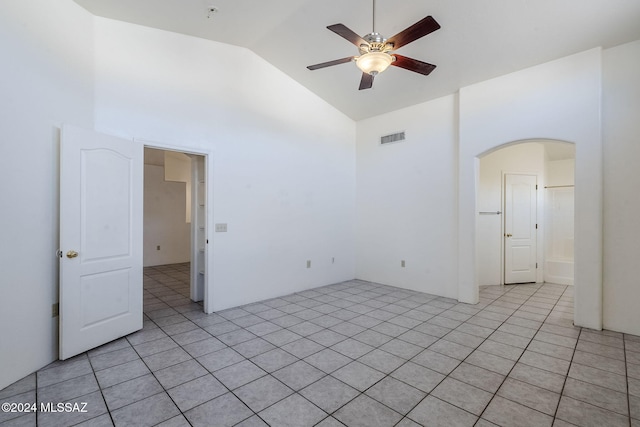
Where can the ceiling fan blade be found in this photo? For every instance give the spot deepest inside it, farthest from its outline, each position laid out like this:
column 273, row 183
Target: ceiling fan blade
column 366, row 82
column 330, row 63
column 413, row 65
column 346, row 33
column 414, row 32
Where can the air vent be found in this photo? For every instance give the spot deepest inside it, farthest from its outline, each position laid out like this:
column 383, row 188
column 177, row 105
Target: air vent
column 394, row 137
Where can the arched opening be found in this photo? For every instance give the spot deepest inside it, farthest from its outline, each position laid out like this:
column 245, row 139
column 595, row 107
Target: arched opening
column 588, row 288
column 525, row 214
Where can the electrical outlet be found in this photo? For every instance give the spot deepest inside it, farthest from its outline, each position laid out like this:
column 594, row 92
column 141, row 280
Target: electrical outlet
column 55, row 309
column 402, row 263
column 221, row 228
column 158, row 248
column 308, row 263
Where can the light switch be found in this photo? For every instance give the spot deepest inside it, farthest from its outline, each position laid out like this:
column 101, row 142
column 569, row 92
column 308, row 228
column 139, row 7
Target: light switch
column 221, row 228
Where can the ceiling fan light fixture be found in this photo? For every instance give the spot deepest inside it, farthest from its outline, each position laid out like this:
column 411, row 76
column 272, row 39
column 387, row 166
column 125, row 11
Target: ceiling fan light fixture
column 374, row 62
column 375, row 50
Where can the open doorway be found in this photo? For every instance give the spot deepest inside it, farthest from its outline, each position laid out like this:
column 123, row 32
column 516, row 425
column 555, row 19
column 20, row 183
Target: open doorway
column 175, row 219
column 525, row 214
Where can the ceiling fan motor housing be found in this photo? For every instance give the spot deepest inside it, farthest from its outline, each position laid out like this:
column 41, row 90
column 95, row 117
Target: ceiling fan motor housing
column 375, row 43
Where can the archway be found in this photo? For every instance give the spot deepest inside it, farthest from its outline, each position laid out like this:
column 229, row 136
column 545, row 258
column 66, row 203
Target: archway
column 588, row 232
column 524, row 223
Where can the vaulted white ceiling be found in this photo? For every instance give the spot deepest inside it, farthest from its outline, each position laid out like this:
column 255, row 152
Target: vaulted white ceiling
column 479, row 39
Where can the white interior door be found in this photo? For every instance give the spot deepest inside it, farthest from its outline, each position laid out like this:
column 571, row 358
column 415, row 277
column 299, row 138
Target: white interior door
column 101, row 200
column 520, row 225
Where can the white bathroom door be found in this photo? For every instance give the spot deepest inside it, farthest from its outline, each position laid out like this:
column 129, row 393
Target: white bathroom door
column 101, row 201
column 520, row 226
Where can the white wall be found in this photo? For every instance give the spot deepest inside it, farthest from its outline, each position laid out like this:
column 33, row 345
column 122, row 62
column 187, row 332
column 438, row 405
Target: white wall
column 45, row 79
column 164, row 219
column 521, row 158
column 557, row 100
column 177, row 167
column 406, row 199
column 283, row 174
column 416, row 200
column 621, row 134
column 560, row 172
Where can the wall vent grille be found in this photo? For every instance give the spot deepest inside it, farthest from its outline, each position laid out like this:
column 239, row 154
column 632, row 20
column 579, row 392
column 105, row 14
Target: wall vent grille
column 394, row 137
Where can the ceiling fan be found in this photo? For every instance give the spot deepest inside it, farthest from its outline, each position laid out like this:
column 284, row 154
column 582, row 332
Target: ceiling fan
column 375, row 51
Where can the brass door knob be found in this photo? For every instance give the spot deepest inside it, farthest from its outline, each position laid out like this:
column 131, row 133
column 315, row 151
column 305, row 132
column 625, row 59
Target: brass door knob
column 508, row 235
column 72, row 254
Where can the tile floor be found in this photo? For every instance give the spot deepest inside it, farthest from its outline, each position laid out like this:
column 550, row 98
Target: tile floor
column 354, row 354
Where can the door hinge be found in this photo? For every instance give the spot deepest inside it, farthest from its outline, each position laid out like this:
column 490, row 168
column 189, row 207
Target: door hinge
column 536, row 186
column 536, row 226
column 536, row 265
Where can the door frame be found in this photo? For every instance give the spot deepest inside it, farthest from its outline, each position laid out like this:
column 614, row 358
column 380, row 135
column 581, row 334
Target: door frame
column 208, row 166
column 539, row 220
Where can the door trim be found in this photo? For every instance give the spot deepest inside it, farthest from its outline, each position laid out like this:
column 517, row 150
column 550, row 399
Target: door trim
column 208, row 166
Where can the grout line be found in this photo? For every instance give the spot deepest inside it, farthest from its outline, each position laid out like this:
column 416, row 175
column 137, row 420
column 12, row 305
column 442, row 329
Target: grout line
column 564, row 382
column 373, row 309
column 212, row 374
column 93, row 371
column 396, row 315
column 36, row 393
column 357, row 289
column 626, row 374
column 516, row 362
column 198, row 362
column 350, row 337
